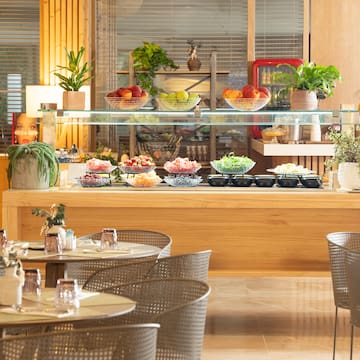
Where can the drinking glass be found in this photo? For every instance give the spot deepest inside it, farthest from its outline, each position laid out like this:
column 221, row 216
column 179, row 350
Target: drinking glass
column 53, row 244
column 32, row 283
column 108, row 238
column 67, row 294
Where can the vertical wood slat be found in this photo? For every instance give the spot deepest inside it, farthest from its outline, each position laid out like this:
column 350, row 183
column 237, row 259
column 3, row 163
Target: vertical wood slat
column 63, row 24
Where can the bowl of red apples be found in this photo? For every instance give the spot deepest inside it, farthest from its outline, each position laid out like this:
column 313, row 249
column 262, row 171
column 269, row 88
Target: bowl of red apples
column 127, row 98
column 248, row 98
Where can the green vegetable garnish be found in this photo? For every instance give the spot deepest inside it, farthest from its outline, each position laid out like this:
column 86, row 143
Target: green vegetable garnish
column 232, row 164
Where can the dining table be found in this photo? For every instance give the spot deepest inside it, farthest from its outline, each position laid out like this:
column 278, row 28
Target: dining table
column 87, row 249
column 39, row 310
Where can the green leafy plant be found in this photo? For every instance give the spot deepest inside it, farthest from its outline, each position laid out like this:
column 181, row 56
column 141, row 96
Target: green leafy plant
column 347, row 147
column 148, row 59
column 43, row 153
column 55, row 216
column 311, row 77
column 77, row 71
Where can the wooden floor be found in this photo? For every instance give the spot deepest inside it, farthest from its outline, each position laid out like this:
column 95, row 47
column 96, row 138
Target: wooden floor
column 274, row 318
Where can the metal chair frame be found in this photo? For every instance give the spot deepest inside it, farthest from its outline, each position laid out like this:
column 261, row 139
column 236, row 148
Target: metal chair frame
column 178, row 305
column 185, row 266
column 338, row 244
column 126, row 342
column 82, row 270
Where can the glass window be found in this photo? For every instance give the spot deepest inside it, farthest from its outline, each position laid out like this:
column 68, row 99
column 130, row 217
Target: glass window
column 279, row 29
column 19, row 59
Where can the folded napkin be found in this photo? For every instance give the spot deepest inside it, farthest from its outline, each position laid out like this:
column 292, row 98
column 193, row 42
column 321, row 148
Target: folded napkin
column 49, row 312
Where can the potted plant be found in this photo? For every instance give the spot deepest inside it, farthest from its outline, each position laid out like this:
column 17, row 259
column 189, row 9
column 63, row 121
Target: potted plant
column 307, row 83
column 32, row 166
column 148, row 59
column 76, row 76
column 346, row 158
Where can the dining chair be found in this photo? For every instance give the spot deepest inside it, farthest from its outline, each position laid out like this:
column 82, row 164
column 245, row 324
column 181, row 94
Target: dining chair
column 127, row 342
column 178, row 305
column 185, row 266
column 352, row 265
column 82, row 270
column 338, row 243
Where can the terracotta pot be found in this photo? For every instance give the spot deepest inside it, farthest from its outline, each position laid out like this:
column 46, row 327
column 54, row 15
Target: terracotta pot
column 73, row 100
column 303, row 100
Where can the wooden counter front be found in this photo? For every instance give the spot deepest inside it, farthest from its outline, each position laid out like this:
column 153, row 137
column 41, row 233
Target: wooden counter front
column 249, row 230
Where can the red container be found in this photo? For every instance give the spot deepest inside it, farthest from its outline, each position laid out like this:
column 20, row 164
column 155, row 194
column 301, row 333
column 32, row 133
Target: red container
column 263, row 75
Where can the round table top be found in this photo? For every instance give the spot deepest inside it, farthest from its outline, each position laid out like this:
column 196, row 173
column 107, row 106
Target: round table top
column 33, row 251
column 40, row 310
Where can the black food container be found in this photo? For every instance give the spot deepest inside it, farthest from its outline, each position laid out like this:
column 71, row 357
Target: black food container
column 218, row 180
column 242, row 180
column 288, row 181
column 265, row 180
column 311, row 181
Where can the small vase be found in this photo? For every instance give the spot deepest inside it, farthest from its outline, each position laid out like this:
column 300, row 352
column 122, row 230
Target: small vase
column 11, row 283
column 194, row 64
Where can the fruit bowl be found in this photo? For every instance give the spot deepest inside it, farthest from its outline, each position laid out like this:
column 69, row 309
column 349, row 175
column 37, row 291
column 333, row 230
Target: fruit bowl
column 93, row 180
column 183, row 180
column 120, row 103
column 247, row 104
column 173, row 104
column 233, row 165
column 144, row 179
column 136, row 169
column 182, row 166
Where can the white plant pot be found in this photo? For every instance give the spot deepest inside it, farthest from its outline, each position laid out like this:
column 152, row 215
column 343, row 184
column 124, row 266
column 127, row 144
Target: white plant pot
column 26, row 175
column 349, row 175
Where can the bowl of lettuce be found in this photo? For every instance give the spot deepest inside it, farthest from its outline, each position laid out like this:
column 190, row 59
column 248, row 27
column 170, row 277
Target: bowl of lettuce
column 233, row 165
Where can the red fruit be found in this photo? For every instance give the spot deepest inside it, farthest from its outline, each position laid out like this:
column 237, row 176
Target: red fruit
column 247, row 91
column 136, row 90
column 113, row 94
column 144, row 93
column 125, row 93
column 119, row 90
column 264, row 90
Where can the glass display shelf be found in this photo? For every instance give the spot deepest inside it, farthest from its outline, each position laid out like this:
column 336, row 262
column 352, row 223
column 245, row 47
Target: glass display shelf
column 206, row 117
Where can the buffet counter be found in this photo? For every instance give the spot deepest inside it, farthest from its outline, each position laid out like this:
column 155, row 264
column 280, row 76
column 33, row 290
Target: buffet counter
column 250, row 230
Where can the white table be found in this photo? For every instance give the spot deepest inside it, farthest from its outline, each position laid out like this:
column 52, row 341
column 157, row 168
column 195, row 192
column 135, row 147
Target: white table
column 87, row 250
column 40, row 311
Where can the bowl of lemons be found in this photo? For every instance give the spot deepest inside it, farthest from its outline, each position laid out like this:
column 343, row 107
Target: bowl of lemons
column 178, row 101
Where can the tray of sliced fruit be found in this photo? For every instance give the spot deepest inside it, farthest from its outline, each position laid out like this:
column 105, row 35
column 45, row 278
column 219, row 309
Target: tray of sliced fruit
column 99, row 166
column 144, row 179
column 182, row 166
column 94, row 180
column 137, row 164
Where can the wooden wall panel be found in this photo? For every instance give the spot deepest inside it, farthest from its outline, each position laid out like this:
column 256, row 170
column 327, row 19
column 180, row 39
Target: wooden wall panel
column 63, row 24
column 334, row 40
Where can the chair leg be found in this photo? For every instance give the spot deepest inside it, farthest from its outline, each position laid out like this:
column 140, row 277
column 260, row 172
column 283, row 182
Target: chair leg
column 351, row 341
column 335, row 327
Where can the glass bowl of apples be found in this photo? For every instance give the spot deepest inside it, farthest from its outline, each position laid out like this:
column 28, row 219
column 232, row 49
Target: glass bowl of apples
column 129, row 99
column 249, row 98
